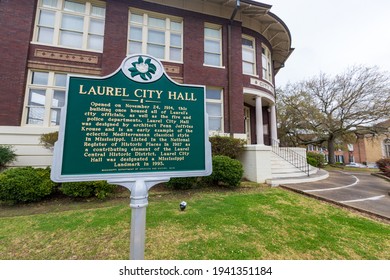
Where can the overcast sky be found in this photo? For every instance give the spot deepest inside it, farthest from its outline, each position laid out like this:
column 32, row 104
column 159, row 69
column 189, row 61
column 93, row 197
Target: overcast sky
column 331, row 35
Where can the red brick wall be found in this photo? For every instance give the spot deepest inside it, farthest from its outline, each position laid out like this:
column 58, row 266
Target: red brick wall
column 16, row 25
column 17, row 21
column 259, row 41
column 359, row 151
column 115, row 37
column 196, row 73
column 236, row 97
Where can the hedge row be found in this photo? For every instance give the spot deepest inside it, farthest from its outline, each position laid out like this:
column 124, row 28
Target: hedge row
column 27, row 184
column 7, row 155
column 316, row 159
column 227, row 172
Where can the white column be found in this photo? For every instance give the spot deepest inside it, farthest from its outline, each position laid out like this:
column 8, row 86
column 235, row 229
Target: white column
column 274, row 131
column 259, row 122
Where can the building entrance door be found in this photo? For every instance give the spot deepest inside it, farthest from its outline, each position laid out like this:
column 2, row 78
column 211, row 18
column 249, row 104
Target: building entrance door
column 247, row 117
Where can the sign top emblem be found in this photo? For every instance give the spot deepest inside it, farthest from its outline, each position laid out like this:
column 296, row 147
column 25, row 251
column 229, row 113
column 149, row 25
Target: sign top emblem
column 142, row 68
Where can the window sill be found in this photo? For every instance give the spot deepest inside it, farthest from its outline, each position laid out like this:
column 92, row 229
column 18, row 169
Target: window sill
column 171, row 61
column 64, row 47
column 252, row 75
column 214, row 66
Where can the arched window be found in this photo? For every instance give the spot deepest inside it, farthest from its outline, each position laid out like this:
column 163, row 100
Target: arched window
column 387, row 147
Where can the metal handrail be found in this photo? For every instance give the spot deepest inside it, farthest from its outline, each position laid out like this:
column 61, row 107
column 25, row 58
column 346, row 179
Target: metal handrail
column 291, row 156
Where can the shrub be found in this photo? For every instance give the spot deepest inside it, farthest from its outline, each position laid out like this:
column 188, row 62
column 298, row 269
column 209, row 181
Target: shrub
column 103, row 189
column 100, row 189
column 312, row 161
column 226, row 171
column 77, row 189
column 184, row 183
column 25, row 184
column 226, row 146
column 48, row 139
column 384, row 166
column 7, row 155
column 315, row 159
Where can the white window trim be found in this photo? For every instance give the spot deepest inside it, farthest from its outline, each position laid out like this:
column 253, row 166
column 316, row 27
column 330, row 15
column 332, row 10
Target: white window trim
column 57, row 23
column 168, row 31
column 254, row 56
column 268, row 57
column 49, row 88
column 219, row 29
column 339, row 158
column 386, row 147
column 215, row 101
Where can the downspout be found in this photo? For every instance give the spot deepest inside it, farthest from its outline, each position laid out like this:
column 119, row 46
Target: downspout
column 230, row 71
column 235, row 11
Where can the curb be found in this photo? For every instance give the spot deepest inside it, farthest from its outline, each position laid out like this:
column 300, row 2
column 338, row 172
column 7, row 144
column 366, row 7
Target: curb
column 383, row 177
column 378, row 216
column 380, row 175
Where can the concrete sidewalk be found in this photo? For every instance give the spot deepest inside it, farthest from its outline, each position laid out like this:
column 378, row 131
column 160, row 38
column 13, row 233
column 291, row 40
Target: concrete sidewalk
column 357, row 190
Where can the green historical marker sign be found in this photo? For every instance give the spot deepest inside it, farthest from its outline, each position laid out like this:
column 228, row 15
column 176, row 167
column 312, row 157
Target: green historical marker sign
column 134, row 123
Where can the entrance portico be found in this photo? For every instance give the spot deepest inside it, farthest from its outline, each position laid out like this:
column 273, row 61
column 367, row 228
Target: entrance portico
column 262, row 106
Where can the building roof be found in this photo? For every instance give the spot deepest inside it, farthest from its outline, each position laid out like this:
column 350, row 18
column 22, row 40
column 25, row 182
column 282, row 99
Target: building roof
column 253, row 15
column 384, row 123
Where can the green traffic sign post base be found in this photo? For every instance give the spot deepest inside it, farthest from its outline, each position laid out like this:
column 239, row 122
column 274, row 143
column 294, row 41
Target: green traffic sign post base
column 138, row 202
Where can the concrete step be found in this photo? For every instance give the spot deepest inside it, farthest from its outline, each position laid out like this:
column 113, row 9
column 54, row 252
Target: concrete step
column 319, row 175
column 295, row 173
column 282, row 168
column 286, row 169
column 283, row 171
column 288, row 174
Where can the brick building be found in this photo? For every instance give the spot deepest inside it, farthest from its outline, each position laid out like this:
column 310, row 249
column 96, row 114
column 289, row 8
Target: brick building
column 367, row 148
column 370, row 148
column 234, row 48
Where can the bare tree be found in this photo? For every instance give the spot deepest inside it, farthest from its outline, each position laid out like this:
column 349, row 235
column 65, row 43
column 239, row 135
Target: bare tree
column 328, row 109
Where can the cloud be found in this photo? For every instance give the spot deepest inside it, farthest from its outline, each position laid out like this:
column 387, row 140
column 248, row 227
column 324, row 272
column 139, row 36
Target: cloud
column 330, row 36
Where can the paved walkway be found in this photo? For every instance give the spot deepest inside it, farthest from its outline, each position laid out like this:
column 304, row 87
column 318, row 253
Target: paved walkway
column 359, row 190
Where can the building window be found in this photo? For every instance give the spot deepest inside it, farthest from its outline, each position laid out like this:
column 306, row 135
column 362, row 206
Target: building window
column 45, row 98
column 157, row 35
column 213, row 45
column 71, row 24
column 387, row 148
column 266, row 64
column 214, row 108
column 248, row 55
column 339, row 158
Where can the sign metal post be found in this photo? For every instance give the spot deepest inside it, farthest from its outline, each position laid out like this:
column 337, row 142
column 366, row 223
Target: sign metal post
column 138, row 203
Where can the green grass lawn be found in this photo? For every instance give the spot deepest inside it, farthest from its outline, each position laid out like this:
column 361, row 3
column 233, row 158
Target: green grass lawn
column 249, row 223
column 350, row 169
